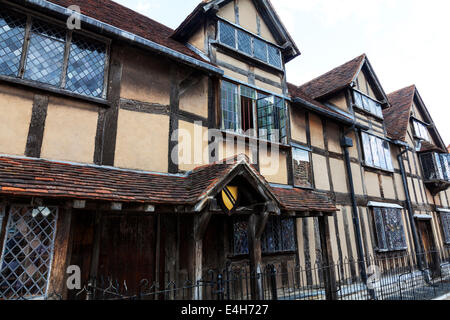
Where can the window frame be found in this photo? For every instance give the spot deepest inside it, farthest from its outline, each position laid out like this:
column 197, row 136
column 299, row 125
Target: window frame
column 363, row 107
column 311, row 174
column 60, row 88
column 445, row 225
column 384, row 211
column 255, row 130
column 375, row 151
column 419, row 126
column 252, row 41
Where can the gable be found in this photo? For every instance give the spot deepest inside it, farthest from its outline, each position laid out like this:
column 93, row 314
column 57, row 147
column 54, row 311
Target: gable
column 245, row 14
column 367, row 82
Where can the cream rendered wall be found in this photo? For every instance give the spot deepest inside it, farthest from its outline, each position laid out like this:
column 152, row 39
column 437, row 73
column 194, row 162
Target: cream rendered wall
column 316, row 129
column 16, row 107
column 372, row 184
column 70, row 130
column 278, row 176
column 388, row 187
column 198, row 39
column 227, row 12
column 339, row 101
column 298, row 125
column 195, row 100
column 339, row 175
column 357, row 179
column 145, row 78
column 334, row 138
column 320, row 172
column 142, row 141
column 193, row 146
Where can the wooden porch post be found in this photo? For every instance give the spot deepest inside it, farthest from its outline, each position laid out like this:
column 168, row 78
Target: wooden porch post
column 327, row 259
column 200, row 226
column 256, row 227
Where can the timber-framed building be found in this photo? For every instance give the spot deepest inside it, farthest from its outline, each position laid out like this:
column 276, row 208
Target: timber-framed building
column 114, row 138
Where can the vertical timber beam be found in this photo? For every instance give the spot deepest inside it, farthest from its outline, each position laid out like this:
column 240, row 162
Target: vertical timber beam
column 327, row 259
column 96, row 245
column 200, row 225
column 37, row 125
column 61, row 256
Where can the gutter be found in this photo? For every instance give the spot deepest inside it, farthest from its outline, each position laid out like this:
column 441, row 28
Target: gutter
column 128, row 36
column 326, row 113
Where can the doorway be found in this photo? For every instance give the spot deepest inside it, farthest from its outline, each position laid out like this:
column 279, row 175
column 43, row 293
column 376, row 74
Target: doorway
column 430, row 252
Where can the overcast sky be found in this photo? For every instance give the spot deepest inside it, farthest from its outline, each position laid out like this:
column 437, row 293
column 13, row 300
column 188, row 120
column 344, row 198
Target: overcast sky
column 407, row 41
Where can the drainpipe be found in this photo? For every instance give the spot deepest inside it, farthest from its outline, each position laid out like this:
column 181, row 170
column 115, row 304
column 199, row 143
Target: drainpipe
column 418, row 248
column 347, row 143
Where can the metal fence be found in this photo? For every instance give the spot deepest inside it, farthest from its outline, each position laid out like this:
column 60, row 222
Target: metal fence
column 396, row 277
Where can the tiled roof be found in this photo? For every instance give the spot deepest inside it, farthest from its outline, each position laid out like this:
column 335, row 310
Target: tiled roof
column 51, row 179
column 334, row 80
column 128, row 20
column 429, row 147
column 297, row 92
column 396, row 118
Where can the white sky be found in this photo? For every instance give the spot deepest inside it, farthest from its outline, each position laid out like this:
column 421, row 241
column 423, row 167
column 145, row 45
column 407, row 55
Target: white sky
column 407, row 41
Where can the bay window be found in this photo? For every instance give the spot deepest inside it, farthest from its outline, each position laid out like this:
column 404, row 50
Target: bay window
column 302, row 168
column 435, row 166
column 368, row 104
column 51, row 55
column 247, row 111
column 389, row 229
column 377, row 152
column 249, row 44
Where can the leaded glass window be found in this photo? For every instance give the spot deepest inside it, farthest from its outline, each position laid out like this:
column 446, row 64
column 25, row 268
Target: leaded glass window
column 389, row 229
column 445, row 219
column 274, row 56
column 370, row 105
column 28, row 252
column 377, row 152
column 251, row 45
column 12, row 34
column 229, row 102
column 272, row 118
column 260, row 48
column 279, row 236
column 244, row 42
column 302, row 168
column 45, row 57
column 55, row 56
column 421, row 131
column 227, row 34
column 86, row 67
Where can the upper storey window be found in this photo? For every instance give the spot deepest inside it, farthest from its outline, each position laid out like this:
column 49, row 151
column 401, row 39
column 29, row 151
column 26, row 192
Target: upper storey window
column 247, row 111
column 249, row 44
column 368, row 104
column 421, row 130
column 46, row 53
column 377, row 152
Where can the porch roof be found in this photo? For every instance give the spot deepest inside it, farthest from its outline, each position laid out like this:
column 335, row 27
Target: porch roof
column 20, row 176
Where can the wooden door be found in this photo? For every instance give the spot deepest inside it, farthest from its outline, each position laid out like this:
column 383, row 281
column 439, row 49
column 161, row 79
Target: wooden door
column 426, row 235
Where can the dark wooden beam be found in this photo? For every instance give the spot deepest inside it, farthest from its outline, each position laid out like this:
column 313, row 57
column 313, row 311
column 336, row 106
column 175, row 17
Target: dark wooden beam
column 329, row 274
column 37, row 125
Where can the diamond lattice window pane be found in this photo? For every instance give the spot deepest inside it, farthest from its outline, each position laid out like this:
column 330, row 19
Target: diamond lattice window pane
column 12, row 34
column 274, row 56
column 86, row 68
column 46, row 53
column 260, row 48
column 25, row 262
column 244, row 42
column 227, row 34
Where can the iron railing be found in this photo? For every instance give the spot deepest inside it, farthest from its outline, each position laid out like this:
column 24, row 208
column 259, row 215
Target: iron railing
column 394, row 277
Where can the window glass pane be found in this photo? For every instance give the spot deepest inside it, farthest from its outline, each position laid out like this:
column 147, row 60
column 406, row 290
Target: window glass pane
column 302, row 168
column 387, row 155
column 428, row 166
column 244, row 42
column 274, row 56
column 379, row 228
column 367, row 104
column 230, row 114
column 248, row 96
column 381, row 154
column 227, row 34
column 45, row 54
column 12, row 34
column 445, row 218
column 424, row 132
column 265, row 105
column 379, row 110
column 367, row 149
column 260, row 48
column 240, row 237
column 358, row 99
column 86, row 66
column 288, row 234
column 282, row 120
column 375, row 155
column 439, row 169
column 394, row 229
